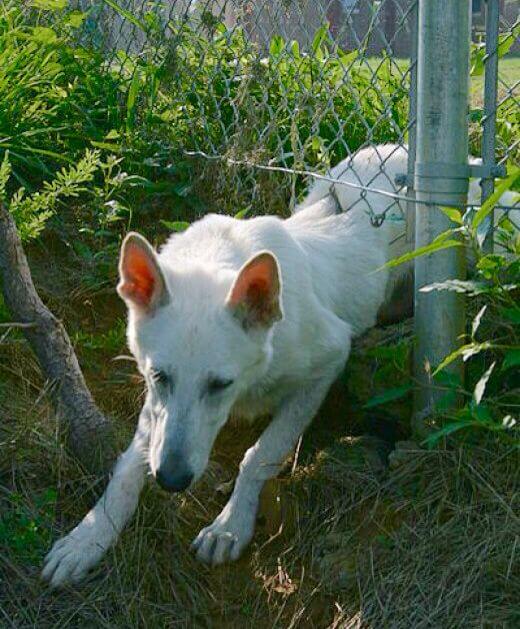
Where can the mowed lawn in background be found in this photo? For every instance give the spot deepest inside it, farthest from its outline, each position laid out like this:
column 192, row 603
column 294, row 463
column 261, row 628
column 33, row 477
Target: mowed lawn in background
column 509, row 77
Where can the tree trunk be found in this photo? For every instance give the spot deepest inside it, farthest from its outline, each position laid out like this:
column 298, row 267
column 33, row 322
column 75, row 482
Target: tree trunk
column 89, row 431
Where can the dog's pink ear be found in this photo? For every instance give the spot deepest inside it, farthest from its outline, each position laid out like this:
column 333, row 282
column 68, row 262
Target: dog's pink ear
column 141, row 282
column 254, row 298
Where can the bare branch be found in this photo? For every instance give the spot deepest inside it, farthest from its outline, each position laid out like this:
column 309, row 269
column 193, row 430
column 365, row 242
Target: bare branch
column 89, row 430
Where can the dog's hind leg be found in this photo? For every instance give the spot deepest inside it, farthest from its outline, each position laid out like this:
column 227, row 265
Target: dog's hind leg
column 72, row 556
column 233, row 528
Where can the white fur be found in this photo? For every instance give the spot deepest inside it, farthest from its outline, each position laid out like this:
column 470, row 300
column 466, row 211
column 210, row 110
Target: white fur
column 330, row 293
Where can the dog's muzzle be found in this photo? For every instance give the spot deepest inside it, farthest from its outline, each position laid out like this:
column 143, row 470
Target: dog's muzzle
column 174, row 480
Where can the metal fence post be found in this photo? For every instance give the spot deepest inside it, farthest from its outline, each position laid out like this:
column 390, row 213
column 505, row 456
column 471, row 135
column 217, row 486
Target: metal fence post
column 441, row 176
column 412, row 127
column 490, row 110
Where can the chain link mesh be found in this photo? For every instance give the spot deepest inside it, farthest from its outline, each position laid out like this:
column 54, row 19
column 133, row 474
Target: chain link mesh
column 508, row 101
column 501, row 24
column 269, row 95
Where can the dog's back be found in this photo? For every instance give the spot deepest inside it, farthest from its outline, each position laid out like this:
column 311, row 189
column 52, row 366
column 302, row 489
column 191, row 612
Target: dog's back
column 376, row 168
column 324, row 257
column 372, row 167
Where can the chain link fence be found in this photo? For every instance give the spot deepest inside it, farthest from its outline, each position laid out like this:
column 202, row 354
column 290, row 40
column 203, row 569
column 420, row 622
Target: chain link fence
column 266, row 97
column 298, row 85
column 279, row 92
column 270, row 94
column 495, row 94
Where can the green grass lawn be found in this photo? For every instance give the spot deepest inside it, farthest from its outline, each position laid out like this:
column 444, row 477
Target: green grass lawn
column 509, row 75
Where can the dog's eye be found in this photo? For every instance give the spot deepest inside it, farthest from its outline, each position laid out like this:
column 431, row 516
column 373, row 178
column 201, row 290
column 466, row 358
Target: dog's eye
column 216, row 385
column 161, row 377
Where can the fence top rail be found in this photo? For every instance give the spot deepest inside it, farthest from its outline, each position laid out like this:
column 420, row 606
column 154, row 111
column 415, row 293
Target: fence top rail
column 396, row 196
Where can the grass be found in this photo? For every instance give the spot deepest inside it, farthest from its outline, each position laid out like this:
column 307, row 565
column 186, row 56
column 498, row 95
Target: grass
column 341, row 541
column 509, row 76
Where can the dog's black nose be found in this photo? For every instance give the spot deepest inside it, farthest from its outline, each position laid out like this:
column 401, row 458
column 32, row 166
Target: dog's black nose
column 174, row 481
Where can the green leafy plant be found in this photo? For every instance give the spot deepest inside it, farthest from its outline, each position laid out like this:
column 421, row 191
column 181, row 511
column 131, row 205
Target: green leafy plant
column 491, row 349
column 110, row 341
column 32, row 211
column 203, row 87
column 507, row 116
column 392, row 366
column 55, row 96
column 289, row 107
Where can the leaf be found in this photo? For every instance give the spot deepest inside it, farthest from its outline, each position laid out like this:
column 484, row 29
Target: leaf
column 511, row 314
column 448, row 429
column 490, row 264
column 488, row 205
column 5, row 173
column 476, row 321
column 320, row 37
column 348, row 58
column 477, row 60
column 421, row 251
column 475, row 348
column 276, row 45
column 44, row 35
column 75, row 19
column 50, row 5
column 126, row 14
column 294, row 47
column 506, row 40
column 511, row 359
column 131, row 100
column 388, row 396
column 107, row 146
column 480, row 412
column 458, row 286
column 113, row 134
column 466, row 351
column 475, row 115
column 176, row 226
column 449, row 380
column 453, row 214
column 480, row 387
column 242, row 213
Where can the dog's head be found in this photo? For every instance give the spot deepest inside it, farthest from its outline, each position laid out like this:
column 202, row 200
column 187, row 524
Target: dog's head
column 201, row 336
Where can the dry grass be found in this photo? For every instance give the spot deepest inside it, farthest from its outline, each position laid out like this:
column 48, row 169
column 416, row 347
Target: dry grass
column 437, row 545
column 342, row 541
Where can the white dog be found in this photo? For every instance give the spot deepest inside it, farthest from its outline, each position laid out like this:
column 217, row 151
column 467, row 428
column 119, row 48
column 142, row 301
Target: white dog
column 250, row 317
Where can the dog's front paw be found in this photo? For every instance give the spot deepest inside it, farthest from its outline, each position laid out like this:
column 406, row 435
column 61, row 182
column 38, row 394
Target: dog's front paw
column 72, row 556
column 225, row 538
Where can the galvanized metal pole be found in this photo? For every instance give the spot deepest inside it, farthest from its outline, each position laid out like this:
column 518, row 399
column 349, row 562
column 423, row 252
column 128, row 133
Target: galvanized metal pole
column 412, row 127
column 490, row 109
column 441, row 176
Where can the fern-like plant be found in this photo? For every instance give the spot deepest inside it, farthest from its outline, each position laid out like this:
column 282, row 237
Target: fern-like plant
column 31, row 211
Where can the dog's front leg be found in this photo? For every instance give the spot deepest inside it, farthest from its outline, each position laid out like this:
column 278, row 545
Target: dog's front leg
column 233, row 528
column 72, row 556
